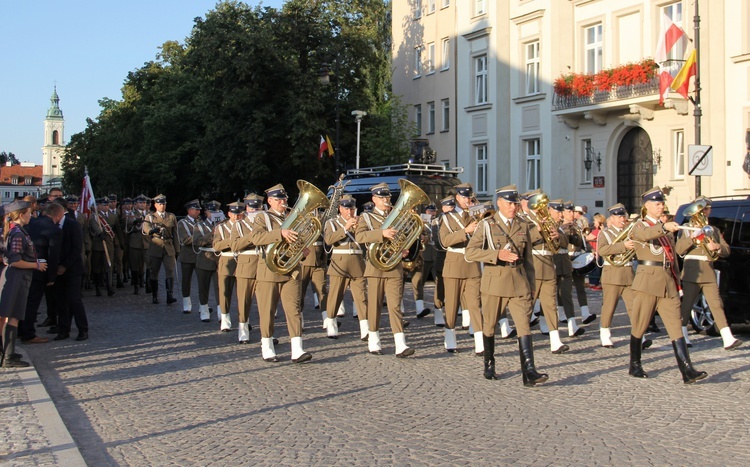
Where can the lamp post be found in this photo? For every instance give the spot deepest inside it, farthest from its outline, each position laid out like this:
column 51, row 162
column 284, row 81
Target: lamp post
column 358, row 114
column 325, row 80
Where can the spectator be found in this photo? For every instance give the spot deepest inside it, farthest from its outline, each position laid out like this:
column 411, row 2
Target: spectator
column 591, row 238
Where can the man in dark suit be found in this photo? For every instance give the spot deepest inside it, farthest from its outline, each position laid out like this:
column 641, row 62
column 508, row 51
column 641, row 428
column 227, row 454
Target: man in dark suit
column 47, row 239
column 69, row 279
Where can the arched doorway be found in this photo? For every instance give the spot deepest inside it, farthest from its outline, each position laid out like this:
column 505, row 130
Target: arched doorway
column 634, row 168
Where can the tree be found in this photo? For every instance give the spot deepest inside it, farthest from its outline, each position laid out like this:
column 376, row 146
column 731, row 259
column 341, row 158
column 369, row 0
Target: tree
column 8, row 156
column 239, row 106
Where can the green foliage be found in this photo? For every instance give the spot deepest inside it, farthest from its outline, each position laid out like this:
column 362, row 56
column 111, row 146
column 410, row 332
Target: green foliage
column 386, row 137
column 8, row 156
column 240, row 107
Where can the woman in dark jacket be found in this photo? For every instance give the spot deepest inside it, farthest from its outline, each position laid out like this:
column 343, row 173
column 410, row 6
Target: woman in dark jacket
column 20, row 261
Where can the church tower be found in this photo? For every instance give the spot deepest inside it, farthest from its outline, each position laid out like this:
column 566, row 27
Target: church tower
column 54, row 135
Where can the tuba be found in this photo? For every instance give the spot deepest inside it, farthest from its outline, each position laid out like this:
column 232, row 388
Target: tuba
column 386, row 255
column 282, row 257
column 708, row 233
column 538, row 203
column 621, row 259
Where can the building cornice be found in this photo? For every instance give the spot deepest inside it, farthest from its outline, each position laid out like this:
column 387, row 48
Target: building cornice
column 478, row 33
column 741, row 58
column 533, row 97
column 534, row 15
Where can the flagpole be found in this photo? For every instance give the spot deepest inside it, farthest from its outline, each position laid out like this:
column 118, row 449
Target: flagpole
column 697, row 112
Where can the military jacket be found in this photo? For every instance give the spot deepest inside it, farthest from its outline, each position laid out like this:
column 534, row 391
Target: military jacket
column 455, row 239
column 203, row 238
column 347, row 256
column 222, row 243
column 185, row 230
column 267, row 231
column 164, row 238
column 613, row 275
column 369, row 230
column 243, row 248
column 544, row 262
column 696, row 267
column 657, row 280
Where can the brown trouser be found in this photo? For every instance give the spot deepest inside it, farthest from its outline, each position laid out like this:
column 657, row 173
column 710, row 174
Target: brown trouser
column 520, row 309
column 565, row 294
column 245, row 291
column 417, row 282
column 710, row 291
column 226, row 284
column 612, row 293
column 155, row 262
column 580, row 284
column 316, row 275
column 465, row 292
column 393, row 289
column 546, row 293
column 268, row 295
column 338, row 286
column 644, row 305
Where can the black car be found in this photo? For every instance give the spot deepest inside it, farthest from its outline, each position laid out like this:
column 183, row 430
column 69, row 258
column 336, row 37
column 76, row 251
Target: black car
column 731, row 216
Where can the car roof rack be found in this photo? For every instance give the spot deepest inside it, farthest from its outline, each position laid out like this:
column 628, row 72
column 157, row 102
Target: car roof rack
column 408, row 168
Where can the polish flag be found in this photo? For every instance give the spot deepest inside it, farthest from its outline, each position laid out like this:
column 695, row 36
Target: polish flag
column 669, row 36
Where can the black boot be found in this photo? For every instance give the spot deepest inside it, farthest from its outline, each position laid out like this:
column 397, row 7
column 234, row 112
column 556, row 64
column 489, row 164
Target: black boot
column 9, row 348
column 489, row 357
column 118, row 277
column 110, row 288
column 147, row 282
column 96, row 279
column 154, row 286
column 636, row 369
column 530, row 375
column 170, row 298
column 136, row 283
column 652, row 327
column 689, row 374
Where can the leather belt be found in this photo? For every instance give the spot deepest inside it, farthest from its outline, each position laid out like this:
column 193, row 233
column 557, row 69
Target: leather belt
column 317, row 244
column 227, row 253
column 346, row 251
column 510, row 264
column 249, row 252
column 575, row 254
column 696, row 257
column 457, row 250
column 660, row 264
column 541, row 253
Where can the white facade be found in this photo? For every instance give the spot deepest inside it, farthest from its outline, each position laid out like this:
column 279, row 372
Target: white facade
column 517, row 131
column 54, row 142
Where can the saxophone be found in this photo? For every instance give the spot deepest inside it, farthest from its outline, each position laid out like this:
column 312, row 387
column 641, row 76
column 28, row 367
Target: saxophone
column 333, row 207
column 538, row 203
column 621, row 259
column 282, row 257
column 386, row 255
column 708, row 233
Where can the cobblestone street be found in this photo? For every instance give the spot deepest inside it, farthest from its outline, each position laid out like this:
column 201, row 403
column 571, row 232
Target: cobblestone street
column 153, row 386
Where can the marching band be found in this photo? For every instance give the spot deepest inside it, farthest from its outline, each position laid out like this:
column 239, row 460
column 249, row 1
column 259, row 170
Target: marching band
column 486, row 262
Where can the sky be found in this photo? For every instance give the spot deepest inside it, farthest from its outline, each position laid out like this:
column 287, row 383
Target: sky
column 84, row 47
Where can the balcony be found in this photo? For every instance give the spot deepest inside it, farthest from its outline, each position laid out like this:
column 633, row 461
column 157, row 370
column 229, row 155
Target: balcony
column 617, row 93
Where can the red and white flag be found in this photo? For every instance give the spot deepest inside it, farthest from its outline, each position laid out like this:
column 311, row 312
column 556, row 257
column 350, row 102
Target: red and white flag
column 87, row 200
column 323, row 147
column 669, row 36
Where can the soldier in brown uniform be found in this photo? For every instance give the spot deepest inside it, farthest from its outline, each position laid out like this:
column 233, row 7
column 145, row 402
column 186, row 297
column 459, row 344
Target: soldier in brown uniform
column 545, row 284
column 119, row 240
column 656, row 287
column 188, row 251
column 206, row 263
column 126, row 208
column 222, row 244
column 576, row 247
column 447, row 204
column 429, row 255
column 389, row 283
column 502, row 242
column 138, row 243
column 102, row 247
column 461, row 277
column 314, row 271
column 161, row 229
column 347, row 267
column 271, row 286
column 699, row 276
column 246, row 253
column 616, row 280
column 564, row 271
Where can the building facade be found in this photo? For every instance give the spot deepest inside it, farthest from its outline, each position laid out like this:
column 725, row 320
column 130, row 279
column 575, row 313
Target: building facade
column 54, row 145
column 612, row 142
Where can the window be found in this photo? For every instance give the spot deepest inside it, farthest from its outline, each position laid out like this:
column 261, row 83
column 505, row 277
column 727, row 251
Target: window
column 532, row 68
column 674, row 13
column 480, row 151
column 431, row 57
column 446, row 53
column 27, row 180
column 533, row 164
column 446, row 3
column 55, row 137
column 417, row 9
column 418, row 62
column 678, row 151
column 587, row 173
column 480, row 75
column 593, row 40
column 446, row 105
column 14, row 179
column 431, row 8
column 480, row 7
column 430, row 117
column 418, row 118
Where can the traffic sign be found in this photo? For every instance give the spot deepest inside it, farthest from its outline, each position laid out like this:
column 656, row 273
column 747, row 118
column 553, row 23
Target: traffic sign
column 700, row 160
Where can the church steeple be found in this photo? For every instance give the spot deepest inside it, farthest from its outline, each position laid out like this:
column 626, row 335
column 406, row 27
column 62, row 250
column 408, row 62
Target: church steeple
column 54, row 108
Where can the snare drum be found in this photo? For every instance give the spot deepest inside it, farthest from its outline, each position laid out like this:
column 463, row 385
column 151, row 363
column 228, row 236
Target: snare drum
column 584, row 264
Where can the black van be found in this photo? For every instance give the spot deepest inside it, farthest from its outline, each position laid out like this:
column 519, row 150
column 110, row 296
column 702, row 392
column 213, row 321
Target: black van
column 731, row 215
column 436, row 180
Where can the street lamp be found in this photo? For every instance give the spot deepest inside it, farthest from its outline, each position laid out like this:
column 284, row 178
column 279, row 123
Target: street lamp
column 358, row 114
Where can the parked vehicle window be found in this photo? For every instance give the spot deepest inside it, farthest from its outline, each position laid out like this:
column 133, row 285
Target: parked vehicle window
column 744, row 233
column 723, row 218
